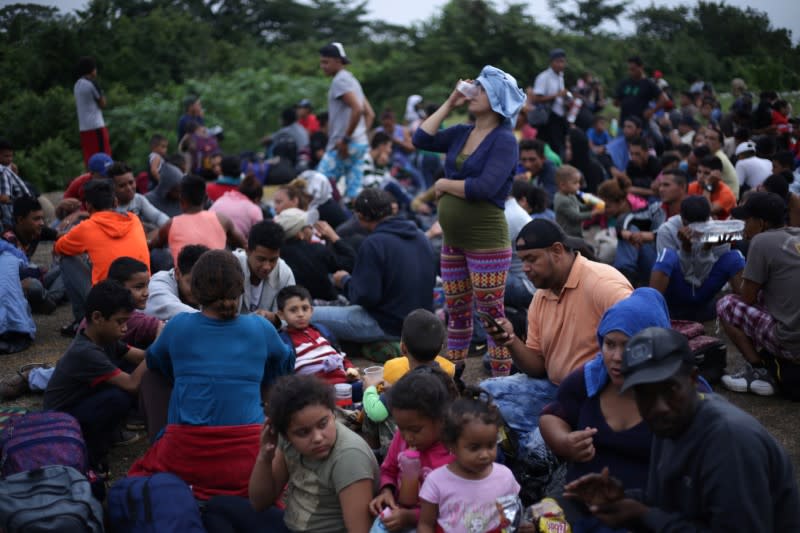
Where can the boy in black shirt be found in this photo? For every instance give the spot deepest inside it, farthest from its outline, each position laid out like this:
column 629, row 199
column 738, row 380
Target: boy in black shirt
column 89, row 381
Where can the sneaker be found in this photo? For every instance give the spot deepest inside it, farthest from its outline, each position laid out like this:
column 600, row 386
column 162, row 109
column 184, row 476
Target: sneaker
column 70, row 330
column 135, row 422
column 125, row 437
column 757, row 380
column 135, row 425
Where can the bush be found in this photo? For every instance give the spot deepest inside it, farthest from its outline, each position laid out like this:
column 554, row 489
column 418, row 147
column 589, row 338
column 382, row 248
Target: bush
column 246, row 103
column 50, row 165
column 27, row 118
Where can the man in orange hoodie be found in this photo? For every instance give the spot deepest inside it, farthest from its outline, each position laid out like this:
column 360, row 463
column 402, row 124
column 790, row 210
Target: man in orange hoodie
column 104, row 237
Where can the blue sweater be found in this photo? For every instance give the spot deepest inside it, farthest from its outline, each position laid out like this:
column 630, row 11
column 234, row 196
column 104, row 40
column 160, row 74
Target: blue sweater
column 217, row 367
column 488, row 171
column 394, row 274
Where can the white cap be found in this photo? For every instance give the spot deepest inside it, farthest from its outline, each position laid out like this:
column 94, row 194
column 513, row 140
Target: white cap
column 747, row 146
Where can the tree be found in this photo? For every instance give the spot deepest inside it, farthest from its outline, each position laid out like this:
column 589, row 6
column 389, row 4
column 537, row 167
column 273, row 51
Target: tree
column 586, row 15
column 663, row 23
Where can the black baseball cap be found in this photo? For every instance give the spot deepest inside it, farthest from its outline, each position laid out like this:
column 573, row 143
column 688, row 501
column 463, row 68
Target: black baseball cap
column 334, row 50
column 654, row 355
column 767, row 206
column 305, row 102
column 544, row 233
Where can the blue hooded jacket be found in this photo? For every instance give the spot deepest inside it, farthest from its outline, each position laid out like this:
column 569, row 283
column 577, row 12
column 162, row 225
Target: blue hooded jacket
column 394, row 274
column 644, row 308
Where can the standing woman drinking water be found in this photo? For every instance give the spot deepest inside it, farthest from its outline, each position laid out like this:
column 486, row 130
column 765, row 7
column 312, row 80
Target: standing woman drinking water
column 479, row 165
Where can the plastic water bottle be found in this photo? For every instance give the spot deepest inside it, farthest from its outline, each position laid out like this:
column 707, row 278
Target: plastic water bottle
column 377, row 525
column 613, row 128
column 590, row 199
column 410, row 468
column 574, row 109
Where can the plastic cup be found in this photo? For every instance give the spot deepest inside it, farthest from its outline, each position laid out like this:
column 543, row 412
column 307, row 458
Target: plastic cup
column 344, row 394
column 470, row 90
column 375, row 372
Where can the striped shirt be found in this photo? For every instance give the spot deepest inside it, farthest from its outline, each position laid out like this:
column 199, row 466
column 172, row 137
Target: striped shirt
column 12, row 185
column 314, row 354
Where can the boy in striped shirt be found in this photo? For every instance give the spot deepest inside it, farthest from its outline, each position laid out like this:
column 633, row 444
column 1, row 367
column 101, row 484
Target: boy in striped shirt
column 314, row 353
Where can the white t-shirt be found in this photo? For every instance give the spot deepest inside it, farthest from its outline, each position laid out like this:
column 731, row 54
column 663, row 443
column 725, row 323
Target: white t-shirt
column 339, row 113
column 90, row 116
column 516, row 217
column 549, row 83
column 254, row 292
column 753, row 171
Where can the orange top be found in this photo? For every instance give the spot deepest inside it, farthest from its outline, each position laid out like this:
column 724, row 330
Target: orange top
column 106, row 236
column 562, row 328
column 723, row 197
column 202, row 227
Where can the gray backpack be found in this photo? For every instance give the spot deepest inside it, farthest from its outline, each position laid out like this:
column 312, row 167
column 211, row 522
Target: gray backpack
column 49, row 499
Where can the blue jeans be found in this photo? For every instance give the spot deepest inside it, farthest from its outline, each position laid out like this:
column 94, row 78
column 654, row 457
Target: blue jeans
column 50, row 287
column 687, row 302
column 76, row 273
column 351, row 323
column 520, row 399
column 634, row 259
column 233, row 514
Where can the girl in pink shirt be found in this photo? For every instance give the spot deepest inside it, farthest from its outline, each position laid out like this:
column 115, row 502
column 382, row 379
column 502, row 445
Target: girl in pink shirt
column 418, row 403
column 462, row 496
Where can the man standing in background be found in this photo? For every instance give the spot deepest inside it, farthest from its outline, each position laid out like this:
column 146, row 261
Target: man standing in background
column 90, row 101
column 350, row 116
column 548, row 90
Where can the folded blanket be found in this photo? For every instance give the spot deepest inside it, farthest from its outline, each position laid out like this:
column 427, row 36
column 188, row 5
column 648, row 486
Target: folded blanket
column 212, row 460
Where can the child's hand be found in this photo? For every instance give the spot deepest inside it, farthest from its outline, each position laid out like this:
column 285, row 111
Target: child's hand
column 372, row 381
column 400, row 520
column 269, row 442
column 526, row 527
column 384, row 499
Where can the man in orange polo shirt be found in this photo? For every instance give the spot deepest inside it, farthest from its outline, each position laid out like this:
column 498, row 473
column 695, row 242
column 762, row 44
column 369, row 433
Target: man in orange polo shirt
column 572, row 295
column 709, row 184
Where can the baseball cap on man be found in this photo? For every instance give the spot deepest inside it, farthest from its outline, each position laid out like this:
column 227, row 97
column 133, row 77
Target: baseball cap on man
column 543, row 233
column 305, row 102
column 99, row 163
column 654, row 355
column 557, row 53
column 334, row 50
column 767, row 206
column 747, row 146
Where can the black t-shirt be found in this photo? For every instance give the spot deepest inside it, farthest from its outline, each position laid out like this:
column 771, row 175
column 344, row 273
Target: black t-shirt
column 634, row 97
column 643, row 176
column 82, row 368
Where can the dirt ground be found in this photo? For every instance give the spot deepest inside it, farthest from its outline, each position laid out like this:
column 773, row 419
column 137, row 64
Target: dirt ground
column 779, row 416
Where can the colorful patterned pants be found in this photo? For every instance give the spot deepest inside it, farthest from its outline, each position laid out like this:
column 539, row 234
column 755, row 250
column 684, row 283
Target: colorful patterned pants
column 479, row 277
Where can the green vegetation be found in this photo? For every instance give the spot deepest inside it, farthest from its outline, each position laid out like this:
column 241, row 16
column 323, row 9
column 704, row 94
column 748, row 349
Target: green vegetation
column 248, row 59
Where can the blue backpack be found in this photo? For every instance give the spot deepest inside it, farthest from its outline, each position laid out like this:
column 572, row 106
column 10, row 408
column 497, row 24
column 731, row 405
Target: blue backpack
column 154, row 504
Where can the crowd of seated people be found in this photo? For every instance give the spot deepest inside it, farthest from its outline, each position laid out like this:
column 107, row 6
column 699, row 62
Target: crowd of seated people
column 211, row 300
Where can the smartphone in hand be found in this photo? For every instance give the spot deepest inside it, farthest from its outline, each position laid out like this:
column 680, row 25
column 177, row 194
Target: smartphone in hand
column 488, row 320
